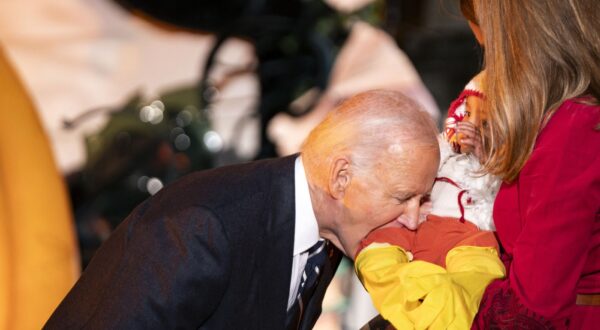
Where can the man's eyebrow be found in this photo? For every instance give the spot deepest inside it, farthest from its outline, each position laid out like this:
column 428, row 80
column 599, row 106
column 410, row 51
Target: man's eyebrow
column 404, row 195
column 411, row 194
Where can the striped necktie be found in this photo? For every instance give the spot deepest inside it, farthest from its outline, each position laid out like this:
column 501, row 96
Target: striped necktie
column 317, row 256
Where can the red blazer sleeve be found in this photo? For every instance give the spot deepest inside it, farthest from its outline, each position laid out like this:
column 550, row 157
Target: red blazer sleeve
column 551, row 231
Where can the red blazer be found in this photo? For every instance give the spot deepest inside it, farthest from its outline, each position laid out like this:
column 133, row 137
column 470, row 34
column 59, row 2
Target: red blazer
column 548, row 222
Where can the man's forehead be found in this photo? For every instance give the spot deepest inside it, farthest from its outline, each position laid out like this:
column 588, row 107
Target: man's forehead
column 410, row 185
column 412, row 173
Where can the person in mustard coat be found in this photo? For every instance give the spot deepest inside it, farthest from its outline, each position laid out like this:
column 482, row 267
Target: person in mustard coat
column 38, row 257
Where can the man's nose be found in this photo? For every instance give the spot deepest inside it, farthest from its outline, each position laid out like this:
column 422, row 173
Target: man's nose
column 410, row 217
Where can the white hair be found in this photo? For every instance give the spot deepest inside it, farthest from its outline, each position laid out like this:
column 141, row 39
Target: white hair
column 365, row 128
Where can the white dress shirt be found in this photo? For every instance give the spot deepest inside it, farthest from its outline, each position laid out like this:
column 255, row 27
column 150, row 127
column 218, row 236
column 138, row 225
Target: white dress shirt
column 306, row 232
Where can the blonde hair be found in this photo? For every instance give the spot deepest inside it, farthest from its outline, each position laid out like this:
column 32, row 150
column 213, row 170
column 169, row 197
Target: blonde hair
column 364, row 128
column 539, row 53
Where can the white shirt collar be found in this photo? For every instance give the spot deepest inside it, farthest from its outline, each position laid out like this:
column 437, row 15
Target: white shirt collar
column 306, row 232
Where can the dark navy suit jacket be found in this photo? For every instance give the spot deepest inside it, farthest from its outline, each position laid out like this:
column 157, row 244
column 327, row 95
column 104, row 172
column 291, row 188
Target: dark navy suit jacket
column 211, row 251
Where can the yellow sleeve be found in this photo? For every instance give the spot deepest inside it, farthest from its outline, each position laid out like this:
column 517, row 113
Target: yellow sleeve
column 397, row 288
column 421, row 295
column 472, row 269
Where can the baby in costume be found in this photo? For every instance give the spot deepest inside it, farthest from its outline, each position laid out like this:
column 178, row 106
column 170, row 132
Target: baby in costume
column 434, row 277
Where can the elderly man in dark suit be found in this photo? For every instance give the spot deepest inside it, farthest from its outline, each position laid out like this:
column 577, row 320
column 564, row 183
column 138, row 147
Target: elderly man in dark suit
column 254, row 246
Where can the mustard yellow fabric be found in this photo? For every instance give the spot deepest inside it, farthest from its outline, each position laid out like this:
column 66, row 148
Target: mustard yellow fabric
column 422, row 295
column 38, row 257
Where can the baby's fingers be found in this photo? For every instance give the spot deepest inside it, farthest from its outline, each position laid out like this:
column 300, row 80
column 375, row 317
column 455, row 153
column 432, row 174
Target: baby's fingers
column 465, row 127
column 468, row 141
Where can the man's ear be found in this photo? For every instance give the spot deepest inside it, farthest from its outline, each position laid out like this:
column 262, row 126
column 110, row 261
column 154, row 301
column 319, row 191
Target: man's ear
column 339, row 177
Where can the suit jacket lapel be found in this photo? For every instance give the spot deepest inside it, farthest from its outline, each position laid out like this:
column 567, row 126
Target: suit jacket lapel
column 313, row 309
column 278, row 251
column 276, row 267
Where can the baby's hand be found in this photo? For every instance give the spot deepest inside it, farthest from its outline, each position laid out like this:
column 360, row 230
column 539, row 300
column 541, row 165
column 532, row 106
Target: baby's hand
column 470, row 139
